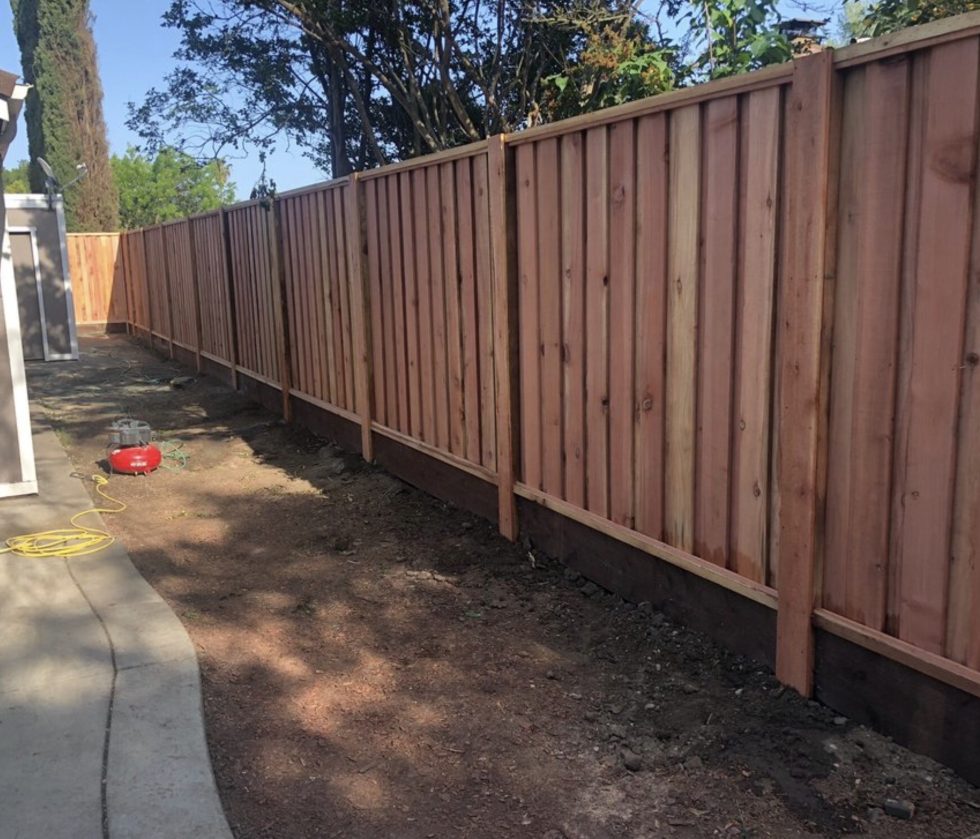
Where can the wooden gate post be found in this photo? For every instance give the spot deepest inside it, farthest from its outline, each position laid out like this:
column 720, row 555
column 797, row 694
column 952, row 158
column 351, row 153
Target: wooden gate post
column 356, row 241
column 503, row 244
column 800, row 315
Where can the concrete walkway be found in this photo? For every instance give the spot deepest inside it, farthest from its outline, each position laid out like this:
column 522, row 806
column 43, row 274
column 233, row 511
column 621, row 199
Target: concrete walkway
column 101, row 727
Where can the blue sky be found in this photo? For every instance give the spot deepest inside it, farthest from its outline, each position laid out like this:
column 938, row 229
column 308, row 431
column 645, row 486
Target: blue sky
column 135, row 52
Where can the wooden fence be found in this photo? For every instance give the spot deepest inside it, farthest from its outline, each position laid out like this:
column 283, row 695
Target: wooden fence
column 736, row 327
column 98, row 278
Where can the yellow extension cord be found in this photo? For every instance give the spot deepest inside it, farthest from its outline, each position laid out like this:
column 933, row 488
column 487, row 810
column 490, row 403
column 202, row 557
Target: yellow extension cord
column 77, row 540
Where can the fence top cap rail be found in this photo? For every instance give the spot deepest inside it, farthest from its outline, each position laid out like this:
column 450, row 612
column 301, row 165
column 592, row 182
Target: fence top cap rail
column 914, row 38
column 333, row 183
column 455, row 153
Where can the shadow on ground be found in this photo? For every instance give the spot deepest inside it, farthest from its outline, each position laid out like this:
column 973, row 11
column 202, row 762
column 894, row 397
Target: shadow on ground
column 377, row 663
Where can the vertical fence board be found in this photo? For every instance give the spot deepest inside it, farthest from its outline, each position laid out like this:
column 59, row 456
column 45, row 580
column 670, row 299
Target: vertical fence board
column 447, row 209
column 597, row 320
column 719, row 220
column 424, row 278
column 484, row 311
column 868, row 280
column 527, row 222
column 622, row 277
column 376, row 300
column 573, row 317
column 932, row 340
column 468, row 304
column 682, row 314
column 963, row 625
column 750, row 486
column 437, row 242
column 650, row 322
column 548, row 248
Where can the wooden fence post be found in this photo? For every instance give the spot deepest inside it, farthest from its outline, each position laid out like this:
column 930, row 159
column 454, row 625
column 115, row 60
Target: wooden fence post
column 360, row 317
column 230, row 298
column 124, row 250
column 279, row 302
column 800, row 314
column 503, row 233
column 192, row 249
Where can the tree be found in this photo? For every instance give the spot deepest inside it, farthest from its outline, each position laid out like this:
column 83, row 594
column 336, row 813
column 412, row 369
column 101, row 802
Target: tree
column 357, row 84
column 870, row 21
column 64, row 118
column 16, row 179
column 173, row 185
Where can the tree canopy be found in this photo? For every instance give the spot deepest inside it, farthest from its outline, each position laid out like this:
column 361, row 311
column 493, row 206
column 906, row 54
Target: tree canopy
column 17, row 179
column 356, row 84
column 63, row 111
column 170, row 186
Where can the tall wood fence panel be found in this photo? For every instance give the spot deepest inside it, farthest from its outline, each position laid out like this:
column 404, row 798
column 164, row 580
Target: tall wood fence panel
column 258, row 317
column 95, row 262
column 157, row 282
column 430, row 287
column 313, row 226
column 647, row 268
column 902, row 549
column 736, row 327
column 211, row 283
column 180, row 279
column 137, row 292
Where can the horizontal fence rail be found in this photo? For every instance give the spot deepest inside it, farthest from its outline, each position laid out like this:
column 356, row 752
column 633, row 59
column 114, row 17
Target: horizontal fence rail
column 735, row 327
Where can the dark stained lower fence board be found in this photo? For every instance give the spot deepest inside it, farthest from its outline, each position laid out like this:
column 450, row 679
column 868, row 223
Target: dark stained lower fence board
column 326, row 424
column 917, row 711
column 738, row 623
column 437, row 478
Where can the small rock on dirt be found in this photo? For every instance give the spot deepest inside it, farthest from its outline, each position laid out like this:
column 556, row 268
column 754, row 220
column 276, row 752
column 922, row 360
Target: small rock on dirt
column 572, row 575
column 631, row 760
column 899, row 809
column 694, row 764
column 690, row 688
column 181, row 381
column 590, row 589
column 840, row 720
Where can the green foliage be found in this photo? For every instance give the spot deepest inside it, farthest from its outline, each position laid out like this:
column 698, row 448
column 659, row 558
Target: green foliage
column 890, row 15
column 173, row 185
column 731, row 37
column 16, row 179
column 63, row 111
column 613, row 66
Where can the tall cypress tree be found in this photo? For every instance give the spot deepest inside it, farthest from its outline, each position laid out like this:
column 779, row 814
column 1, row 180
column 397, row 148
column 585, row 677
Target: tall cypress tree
column 64, row 117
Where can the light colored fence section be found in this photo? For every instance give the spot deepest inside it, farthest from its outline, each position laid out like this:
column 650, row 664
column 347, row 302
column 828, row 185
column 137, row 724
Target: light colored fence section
column 430, row 280
column 736, row 327
column 314, row 229
column 646, row 257
column 95, row 262
column 211, row 282
column 258, row 317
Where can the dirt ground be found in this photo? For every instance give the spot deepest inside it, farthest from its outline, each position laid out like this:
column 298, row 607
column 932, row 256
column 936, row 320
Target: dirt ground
column 379, row 664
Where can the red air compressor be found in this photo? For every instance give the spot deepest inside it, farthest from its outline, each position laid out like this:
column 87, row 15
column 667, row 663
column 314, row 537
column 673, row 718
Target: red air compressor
column 131, row 450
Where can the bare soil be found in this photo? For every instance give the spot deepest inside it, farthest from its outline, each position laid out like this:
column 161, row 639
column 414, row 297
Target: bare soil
column 379, row 664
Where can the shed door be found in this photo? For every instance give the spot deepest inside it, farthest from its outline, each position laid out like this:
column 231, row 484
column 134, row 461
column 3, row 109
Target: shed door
column 31, row 312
